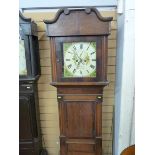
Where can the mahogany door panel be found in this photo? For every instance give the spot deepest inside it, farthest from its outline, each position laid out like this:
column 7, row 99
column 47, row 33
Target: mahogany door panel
column 27, row 152
column 79, row 119
column 29, row 72
column 24, row 118
column 27, row 119
column 81, row 147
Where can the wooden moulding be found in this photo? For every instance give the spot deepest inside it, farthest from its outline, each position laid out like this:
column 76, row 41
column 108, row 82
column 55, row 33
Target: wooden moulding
column 23, row 19
column 79, row 83
column 28, row 26
column 78, row 22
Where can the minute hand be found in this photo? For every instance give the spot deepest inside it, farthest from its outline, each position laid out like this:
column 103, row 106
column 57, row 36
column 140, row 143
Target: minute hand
column 78, row 55
column 81, row 54
column 81, row 60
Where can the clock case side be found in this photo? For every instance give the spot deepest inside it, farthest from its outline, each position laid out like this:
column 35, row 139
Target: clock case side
column 74, row 25
column 79, row 100
column 28, row 33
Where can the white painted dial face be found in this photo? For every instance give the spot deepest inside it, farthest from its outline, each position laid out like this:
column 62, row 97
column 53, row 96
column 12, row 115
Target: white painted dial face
column 22, row 59
column 79, row 59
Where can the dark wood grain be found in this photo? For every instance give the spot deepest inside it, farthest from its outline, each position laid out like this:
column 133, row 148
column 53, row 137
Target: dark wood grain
column 28, row 33
column 79, row 99
column 30, row 141
column 78, row 23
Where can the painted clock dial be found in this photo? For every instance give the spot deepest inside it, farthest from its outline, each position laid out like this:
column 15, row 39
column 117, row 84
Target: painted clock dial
column 79, row 59
column 22, row 58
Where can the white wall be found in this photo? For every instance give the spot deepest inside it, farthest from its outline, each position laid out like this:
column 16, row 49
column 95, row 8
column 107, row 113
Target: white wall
column 58, row 3
column 124, row 92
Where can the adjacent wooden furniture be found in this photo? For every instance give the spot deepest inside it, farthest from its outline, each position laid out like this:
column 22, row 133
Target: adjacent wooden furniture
column 29, row 72
column 129, row 150
column 79, row 41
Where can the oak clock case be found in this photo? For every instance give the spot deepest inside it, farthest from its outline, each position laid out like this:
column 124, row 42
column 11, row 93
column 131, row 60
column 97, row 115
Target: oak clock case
column 79, row 41
column 28, row 49
column 29, row 71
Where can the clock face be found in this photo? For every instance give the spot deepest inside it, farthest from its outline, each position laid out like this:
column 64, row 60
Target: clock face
column 79, row 59
column 22, row 59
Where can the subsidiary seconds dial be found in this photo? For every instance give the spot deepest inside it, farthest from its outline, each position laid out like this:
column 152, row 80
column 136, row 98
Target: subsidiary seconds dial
column 79, row 59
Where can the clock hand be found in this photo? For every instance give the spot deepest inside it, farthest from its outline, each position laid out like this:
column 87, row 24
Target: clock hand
column 81, row 54
column 76, row 54
column 88, row 46
column 75, row 57
column 79, row 57
column 81, row 60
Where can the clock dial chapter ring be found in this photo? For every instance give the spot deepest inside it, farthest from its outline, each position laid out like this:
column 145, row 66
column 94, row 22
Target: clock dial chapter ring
column 79, row 59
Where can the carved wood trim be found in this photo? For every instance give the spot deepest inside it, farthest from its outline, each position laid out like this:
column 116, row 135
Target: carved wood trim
column 87, row 10
column 24, row 19
column 80, row 83
column 78, row 22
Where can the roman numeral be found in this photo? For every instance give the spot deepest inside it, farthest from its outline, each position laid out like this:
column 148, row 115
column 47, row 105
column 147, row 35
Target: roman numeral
column 81, row 46
column 74, row 70
column 92, row 53
column 74, row 48
column 92, row 66
column 88, row 46
column 69, row 66
column 70, row 52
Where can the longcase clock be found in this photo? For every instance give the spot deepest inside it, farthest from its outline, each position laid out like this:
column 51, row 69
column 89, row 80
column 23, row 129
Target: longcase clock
column 79, row 41
column 30, row 141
